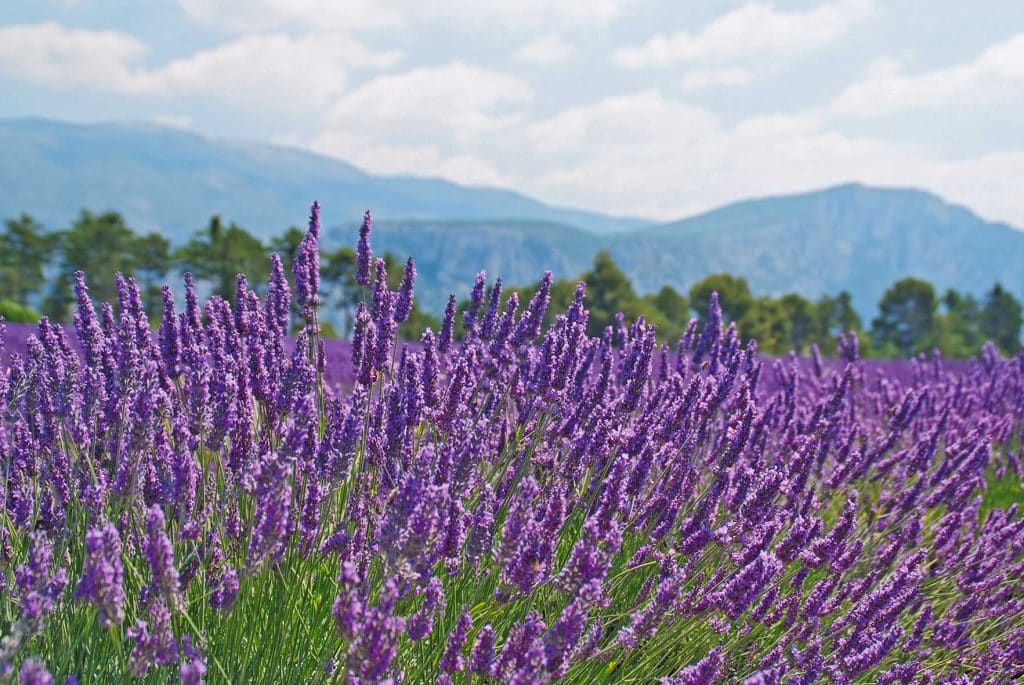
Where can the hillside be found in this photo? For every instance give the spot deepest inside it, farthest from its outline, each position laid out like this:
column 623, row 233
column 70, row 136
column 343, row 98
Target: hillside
column 848, row 237
column 173, row 180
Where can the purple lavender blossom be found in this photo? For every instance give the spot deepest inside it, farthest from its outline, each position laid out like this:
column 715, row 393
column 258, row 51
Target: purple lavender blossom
column 34, row 673
column 154, row 641
column 102, row 583
column 452, row 660
column 403, row 304
column 160, row 557
column 364, row 254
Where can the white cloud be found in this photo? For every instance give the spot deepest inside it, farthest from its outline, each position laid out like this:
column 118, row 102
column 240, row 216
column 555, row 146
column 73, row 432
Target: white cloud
column 996, row 73
column 754, row 30
column 456, row 99
column 641, row 122
column 244, row 16
column 56, row 56
column 640, row 153
column 431, row 121
column 273, row 71
column 699, row 79
column 515, row 13
column 268, row 15
column 545, row 50
column 182, row 121
column 648, row 155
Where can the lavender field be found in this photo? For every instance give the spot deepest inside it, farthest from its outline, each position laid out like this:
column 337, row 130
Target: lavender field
column 220, row 501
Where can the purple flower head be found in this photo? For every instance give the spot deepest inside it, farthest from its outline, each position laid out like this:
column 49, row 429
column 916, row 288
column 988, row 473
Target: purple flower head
column 476, row 300
column 452, row 660
column 40, row 587
column 279, row 297
column 193, row 665
column 34, row 673
column 422, row 622
column 444, row 340
column 375, row 645
column 154, row 641
column 102, row 583
column 306, row 267
column 223, row 579
column 704, row 672
column 160, row 556
column 482, row 660
column 170, row 343
column 404, row 302
column 532, row 319
column 272, row 476
column 491, row 315
column 364, row 254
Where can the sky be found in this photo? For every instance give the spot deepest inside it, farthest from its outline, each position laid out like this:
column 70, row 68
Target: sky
column 651, row 108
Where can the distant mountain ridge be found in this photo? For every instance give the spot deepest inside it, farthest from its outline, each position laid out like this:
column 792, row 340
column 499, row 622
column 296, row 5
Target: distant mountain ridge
column 848, row 237
column 173, row 180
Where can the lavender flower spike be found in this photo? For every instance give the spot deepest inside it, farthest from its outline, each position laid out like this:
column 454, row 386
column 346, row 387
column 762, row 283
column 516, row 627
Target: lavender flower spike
column 102, row 583
column 364, row 254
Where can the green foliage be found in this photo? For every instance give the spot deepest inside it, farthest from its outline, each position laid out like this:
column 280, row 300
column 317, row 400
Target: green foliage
column 25, row 250
column 834, row 315
column 766, row 321
column 733, row 295
column 673, row 307
column 13, row 312
column 217, row 254
column 802, row 319
column 906, row 316
column 1000, row 319
column 955, row 331
column 102, row 245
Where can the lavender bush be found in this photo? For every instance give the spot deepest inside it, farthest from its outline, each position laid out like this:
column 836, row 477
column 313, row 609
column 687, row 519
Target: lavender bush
column 524, row 506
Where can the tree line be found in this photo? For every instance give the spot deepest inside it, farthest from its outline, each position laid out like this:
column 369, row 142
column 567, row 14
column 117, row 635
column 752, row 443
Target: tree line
column 911, row 318
column 37, row 266
column 37, row 269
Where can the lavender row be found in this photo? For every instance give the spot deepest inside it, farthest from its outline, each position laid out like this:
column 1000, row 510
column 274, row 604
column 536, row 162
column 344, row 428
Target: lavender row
column 524, row 505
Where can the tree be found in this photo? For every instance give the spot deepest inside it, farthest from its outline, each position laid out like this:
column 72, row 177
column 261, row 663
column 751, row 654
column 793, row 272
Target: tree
column 800, row 314
column 733, row 296
column 956, row 331
column 1000, row 319
column 835, row 315
column 673, row 307
column 152, row 262
column 609, row 291
column 766, row 321
column 100, row 245
column 217, row 254
column 25, row 250
column 906, row 316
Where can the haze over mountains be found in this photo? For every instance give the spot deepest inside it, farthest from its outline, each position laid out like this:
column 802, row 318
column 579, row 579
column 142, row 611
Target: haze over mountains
column 848, row 237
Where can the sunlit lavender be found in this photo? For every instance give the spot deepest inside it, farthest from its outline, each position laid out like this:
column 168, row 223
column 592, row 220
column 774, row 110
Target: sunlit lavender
column 225, row 497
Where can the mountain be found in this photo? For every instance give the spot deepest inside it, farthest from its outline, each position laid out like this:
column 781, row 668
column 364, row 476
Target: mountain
column 849, row 237
column 172, row 180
